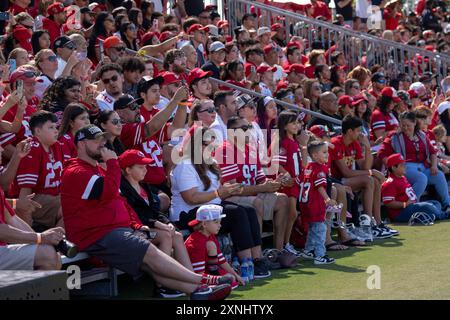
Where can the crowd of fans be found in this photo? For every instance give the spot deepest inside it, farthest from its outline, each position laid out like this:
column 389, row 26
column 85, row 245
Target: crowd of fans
column 116, row 136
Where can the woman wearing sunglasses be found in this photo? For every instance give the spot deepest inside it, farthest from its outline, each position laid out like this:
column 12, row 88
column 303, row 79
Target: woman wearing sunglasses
column 128, row 34
column 47, row 63
column 110, row 122
column 203, row 113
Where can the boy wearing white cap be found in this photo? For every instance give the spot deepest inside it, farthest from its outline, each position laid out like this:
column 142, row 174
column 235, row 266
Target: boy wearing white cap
column 202, row 245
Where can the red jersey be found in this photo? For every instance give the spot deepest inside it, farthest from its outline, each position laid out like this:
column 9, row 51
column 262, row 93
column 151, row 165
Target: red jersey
column 290, row 159
column 40, row 170
column 89, row 214
column 431, row 136
column 161, row 135
column 55, row 30
column 133, row 137
column 4, row 205
column 415, row 150
column 24, row 131
column 245, row 166
column 312, row 204
column 196, row 248
column 248, row 66
column 321, row 9
column 349, row 154
column 396, row 189
column 381, row 121
column 68, row 146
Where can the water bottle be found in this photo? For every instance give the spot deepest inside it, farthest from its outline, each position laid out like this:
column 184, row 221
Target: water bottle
column 235, row 265
column 244, row 271
column 251, row 269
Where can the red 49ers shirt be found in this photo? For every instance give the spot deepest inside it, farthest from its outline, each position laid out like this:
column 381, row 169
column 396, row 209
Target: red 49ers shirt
column 68, row 146
column 381, row 121
column 289, row 158
column 349, row 153
column 244, row 167
column 40, row 170
column 396, row 189
column 312, row 204
column 196, row 248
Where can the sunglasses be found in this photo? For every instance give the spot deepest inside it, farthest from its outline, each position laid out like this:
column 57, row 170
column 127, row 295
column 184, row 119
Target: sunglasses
column 51, row 58
column 112, row 79
column 120, row 49
column 209, row 110
column 30, row 74
column 382, row 81
column 116, row 121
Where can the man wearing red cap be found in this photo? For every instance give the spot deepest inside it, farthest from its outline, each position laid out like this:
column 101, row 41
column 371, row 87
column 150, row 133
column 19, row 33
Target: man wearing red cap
column 272, row 58
column 198, row 40
column 56, row 18
column 114, row 48
column 399, row 197
column 168, row 88
column 293, row 54
column 267, row 83
column 199, row 84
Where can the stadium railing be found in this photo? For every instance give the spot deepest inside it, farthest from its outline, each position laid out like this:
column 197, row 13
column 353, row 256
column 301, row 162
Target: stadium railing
column 393, row 56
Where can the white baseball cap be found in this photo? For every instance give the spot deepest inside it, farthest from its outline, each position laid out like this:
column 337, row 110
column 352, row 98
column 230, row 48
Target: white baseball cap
column 443, row 106
column 208, row 212
column 216, row 46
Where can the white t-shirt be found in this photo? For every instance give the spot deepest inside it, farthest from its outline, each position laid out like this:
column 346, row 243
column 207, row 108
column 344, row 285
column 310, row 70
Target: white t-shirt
column 220, row 130
column 104, row 101
column 184, row 177
column 61, row 66
column 265, row 90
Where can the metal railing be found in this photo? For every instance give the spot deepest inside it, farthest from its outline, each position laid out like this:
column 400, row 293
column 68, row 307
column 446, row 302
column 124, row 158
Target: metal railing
column 393, row 56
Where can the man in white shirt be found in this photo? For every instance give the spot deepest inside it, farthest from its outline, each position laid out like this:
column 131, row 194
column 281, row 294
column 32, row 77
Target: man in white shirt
column 112, row 78
column 64, row 49
column 225, row 103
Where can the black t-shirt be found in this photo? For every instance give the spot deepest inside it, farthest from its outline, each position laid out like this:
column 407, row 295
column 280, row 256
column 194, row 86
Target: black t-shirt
column 209, row 66
column 347, row 11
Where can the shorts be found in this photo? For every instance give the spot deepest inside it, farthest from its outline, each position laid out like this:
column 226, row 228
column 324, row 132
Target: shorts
column 50, row 213
column 269, row 200
column 122, row 248
column 17, row 257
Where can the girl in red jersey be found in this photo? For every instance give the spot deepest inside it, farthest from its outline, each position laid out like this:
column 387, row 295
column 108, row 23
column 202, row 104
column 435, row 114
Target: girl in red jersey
column 287, row 160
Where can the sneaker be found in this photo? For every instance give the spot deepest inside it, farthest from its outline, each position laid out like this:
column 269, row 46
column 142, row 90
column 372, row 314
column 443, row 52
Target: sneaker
column 164, row 292
column 290, row 248
column 324, row 260
column 379, row 233
column 307, row 254
column 388, row 229
column 260, row 269
column 219, row 292
column 216, row 280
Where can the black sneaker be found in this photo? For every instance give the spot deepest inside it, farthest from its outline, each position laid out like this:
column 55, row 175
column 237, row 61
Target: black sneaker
column 307, row 254
column 164, row 292
column 379, row 233
column 260, row 269
column 388, row 229
column 323, row 260
column 204, row 292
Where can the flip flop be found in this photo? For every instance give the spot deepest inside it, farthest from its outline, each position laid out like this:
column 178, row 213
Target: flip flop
column 332, row 247
column 354, row 243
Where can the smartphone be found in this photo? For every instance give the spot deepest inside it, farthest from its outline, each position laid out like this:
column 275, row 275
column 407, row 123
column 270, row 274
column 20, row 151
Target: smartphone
column 19, row 87
column 12, row 65
column 4, row 16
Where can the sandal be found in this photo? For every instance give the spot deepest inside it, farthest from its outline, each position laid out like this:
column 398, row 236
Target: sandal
column 334, row 246
column 354, row 243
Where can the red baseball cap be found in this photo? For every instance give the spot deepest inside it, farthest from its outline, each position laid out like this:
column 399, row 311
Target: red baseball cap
column 169, row 78
column 22, row 73
column 412, row 94
column 55, row 8
column 23, row 36
column 296, row 67
column 394, row 159
column 391, row 93
column 197, row 73
column 165, row 35
column 268, row 48
column 262, row 69
column 281, row 85
column 111, row 42
column 148, row 36
column 222, row 24
column 197, row 27
column 293, row 44
column 344, row 100
column 319, row 131
column 358, row 99
column 429, row 48
column 275, row 27
column 132, row 157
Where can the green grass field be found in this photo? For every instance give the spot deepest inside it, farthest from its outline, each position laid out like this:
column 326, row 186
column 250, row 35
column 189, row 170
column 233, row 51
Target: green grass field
column 413, row 265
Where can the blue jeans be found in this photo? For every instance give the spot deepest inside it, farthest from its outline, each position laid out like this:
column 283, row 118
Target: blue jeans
column 420, row 177
column 431, row 207
column 317, row 232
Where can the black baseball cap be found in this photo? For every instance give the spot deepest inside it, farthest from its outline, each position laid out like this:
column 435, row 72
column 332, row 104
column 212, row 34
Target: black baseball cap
column 427, row 77
column 89, row 132
column 62, row 42
column 125, row 101
column 146, row 82
column 85, row 10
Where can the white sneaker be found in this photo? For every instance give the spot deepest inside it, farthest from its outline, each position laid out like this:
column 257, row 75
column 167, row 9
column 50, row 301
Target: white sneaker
column 290, row 248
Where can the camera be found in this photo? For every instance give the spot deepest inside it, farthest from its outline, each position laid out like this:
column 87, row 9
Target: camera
column 67, row 248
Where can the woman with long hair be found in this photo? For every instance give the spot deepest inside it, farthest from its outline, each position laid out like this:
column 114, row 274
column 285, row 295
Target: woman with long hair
column 147, row 8
column 135, row 16
column 196, row 182
column 20, row 55
column 233, row 73
column 40, row 39
column 74, row 117
column 103, row 28
column 59, row 94
column 109, row 121
column 47, row 63
column 128, row 34
column 352, row 87
column 312, row 91
column 337, row 77
column 267, row 113
column 202, row 111
column 383, row 120
column 363, row 76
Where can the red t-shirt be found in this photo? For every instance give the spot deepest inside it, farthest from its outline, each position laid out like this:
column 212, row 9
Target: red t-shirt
column 245, row 166
column 396, row 189
column 391, row 22
column 321, row 9
column 415, row 151
column 291, row 160
column 68, row 146
column 196, row 248
column 381, row 121
column 40, row 170
column 349, row 154
column 312, row 204
column 4, row 205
